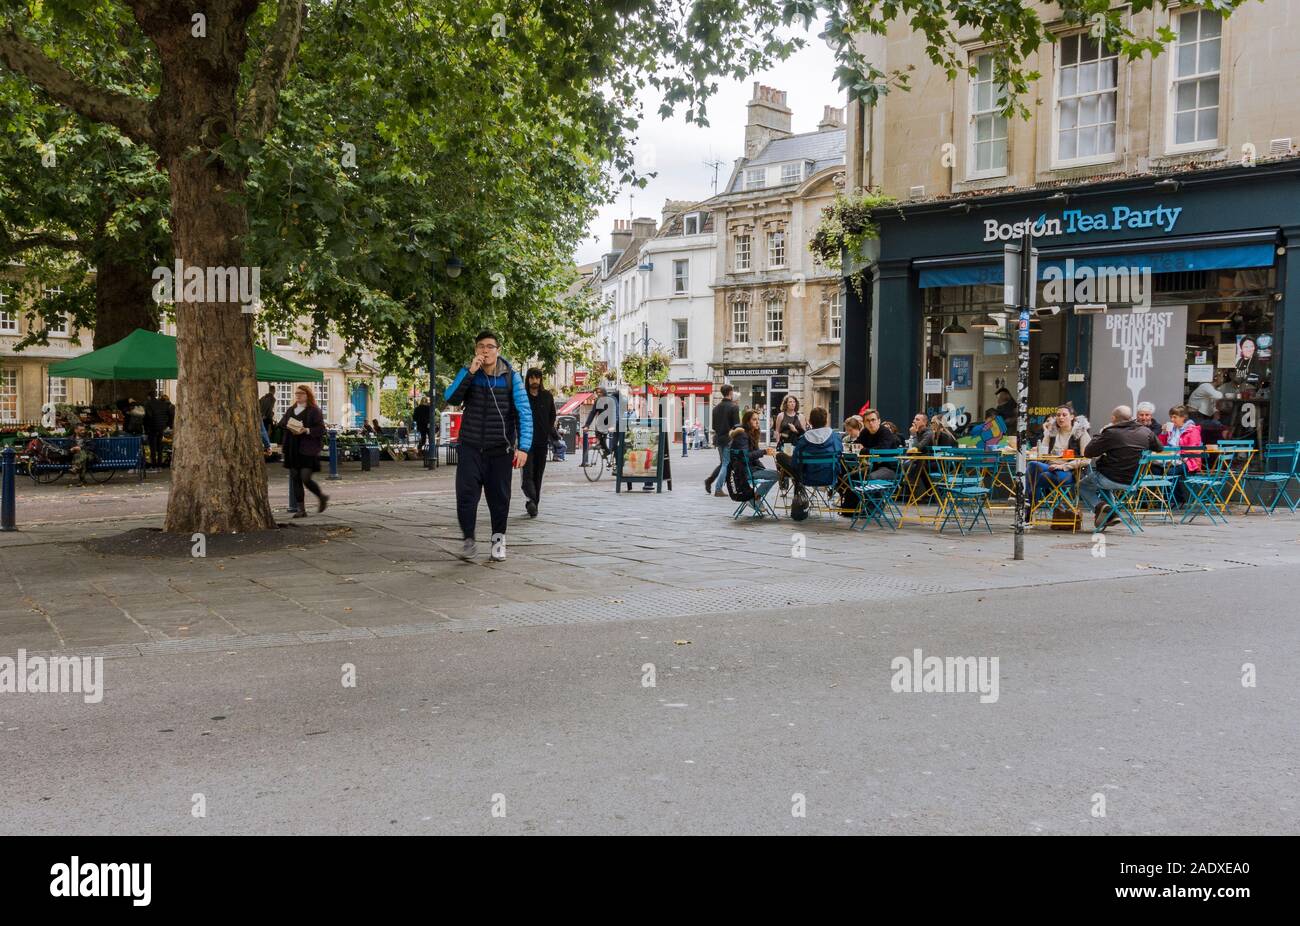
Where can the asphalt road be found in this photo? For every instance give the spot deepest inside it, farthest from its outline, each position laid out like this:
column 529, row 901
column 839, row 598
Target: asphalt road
column 1128, row 688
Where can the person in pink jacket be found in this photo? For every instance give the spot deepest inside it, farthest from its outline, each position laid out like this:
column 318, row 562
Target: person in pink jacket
column 1181, row 430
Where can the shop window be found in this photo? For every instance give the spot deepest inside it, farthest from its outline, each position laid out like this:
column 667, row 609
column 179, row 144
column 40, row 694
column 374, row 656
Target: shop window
column 740, row 322
column 775, row 320
column 988, row 127
column 8, row 395
column 775, row 250
column 681, row 276
column 1085, row 100
column 742, row 252
column 1195, row 84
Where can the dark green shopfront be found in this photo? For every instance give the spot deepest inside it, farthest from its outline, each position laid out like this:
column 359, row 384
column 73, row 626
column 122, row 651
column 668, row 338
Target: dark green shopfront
column 1191, row 268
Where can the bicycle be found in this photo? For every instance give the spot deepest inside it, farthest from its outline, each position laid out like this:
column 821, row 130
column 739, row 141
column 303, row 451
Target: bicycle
column 595, row 465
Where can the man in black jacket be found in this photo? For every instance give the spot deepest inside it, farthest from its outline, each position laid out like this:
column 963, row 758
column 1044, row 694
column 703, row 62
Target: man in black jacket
column 423, row 414
column 159, row 415
column 542, row 404
column 266, row 405
column 726, row 417
column 1117, row 451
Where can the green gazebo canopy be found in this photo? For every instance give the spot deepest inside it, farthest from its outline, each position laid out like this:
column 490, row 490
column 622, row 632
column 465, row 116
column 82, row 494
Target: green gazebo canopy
column 150, row 355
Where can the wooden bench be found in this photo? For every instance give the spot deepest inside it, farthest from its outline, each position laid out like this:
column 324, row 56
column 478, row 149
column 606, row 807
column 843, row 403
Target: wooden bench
column 112, row 454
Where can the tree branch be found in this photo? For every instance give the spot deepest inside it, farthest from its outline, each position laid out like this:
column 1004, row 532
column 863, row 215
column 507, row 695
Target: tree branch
column 10, row 247
column 257, row 115
column 129, row 114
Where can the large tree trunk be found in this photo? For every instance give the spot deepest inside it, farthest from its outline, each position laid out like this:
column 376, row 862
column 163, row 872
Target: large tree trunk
column 123, row 303
column 218, row 471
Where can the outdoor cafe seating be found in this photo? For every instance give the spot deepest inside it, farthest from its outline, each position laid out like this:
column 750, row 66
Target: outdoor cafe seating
column 961, row 486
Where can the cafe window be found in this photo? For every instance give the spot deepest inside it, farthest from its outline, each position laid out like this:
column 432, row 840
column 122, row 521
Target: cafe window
column 1195, row 85
column 1085, row 100
column 740, row 321
column 8, row 395
column 742, row 252
column 775, row 319
column 988, row 127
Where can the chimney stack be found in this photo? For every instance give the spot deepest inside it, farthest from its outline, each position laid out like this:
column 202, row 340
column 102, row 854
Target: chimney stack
column 621, row 237
column 769, row 118
column 832, row 118
column 643, row 227
column 672, row 207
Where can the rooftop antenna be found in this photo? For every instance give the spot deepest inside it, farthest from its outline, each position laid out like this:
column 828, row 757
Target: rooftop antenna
column 715, row 164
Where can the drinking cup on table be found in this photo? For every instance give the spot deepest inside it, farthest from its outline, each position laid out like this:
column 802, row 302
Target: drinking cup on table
column 1067, row 454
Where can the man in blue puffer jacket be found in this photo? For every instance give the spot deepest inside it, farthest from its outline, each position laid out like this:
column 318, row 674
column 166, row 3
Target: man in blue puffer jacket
column 496, row 432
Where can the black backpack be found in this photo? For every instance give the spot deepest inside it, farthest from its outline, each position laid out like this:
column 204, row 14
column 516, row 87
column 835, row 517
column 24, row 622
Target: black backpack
column 738, row 485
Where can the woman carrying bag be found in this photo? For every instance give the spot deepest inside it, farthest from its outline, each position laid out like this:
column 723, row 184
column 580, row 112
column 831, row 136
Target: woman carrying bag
column 304, row 431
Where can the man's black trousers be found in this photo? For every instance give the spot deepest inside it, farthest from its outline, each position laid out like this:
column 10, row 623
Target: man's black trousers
column 480, row 474
column 532, row 472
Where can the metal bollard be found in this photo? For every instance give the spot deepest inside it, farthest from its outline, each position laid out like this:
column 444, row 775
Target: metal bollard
column 293, row 493
column 7, row 491
column 365, row 459
column 334, row 455
column 683, row 437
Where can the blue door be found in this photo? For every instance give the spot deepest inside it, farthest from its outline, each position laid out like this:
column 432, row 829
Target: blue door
column 358, row 400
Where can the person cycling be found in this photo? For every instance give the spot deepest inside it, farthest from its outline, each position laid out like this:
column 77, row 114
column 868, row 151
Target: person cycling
column 605, row 409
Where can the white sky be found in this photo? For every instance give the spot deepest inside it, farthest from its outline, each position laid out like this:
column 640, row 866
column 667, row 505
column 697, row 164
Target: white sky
column 678, row 150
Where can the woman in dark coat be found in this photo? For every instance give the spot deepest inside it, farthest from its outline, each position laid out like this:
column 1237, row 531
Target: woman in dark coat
column 302, row 450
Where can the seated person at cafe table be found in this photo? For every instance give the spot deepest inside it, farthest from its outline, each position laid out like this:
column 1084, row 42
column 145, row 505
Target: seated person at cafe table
column 1065, row 437
column 818, row 437
column 920, row 425
column 853, row 429
column 1116, row 452
column 745, row 439
column 1146, row 416
column 875, row 436
column 936, row 434
column 1181, row 430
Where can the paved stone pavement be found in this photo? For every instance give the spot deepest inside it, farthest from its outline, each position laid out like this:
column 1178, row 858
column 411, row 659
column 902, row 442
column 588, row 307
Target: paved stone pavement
column 592, row 556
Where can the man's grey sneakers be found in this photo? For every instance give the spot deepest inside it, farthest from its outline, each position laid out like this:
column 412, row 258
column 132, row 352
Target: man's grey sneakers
column 468, row 549
column 498, row 547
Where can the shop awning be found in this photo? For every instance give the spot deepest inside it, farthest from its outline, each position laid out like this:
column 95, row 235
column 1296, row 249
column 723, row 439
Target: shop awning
column 572, row 404
column 151, row 355
column 987, row 270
